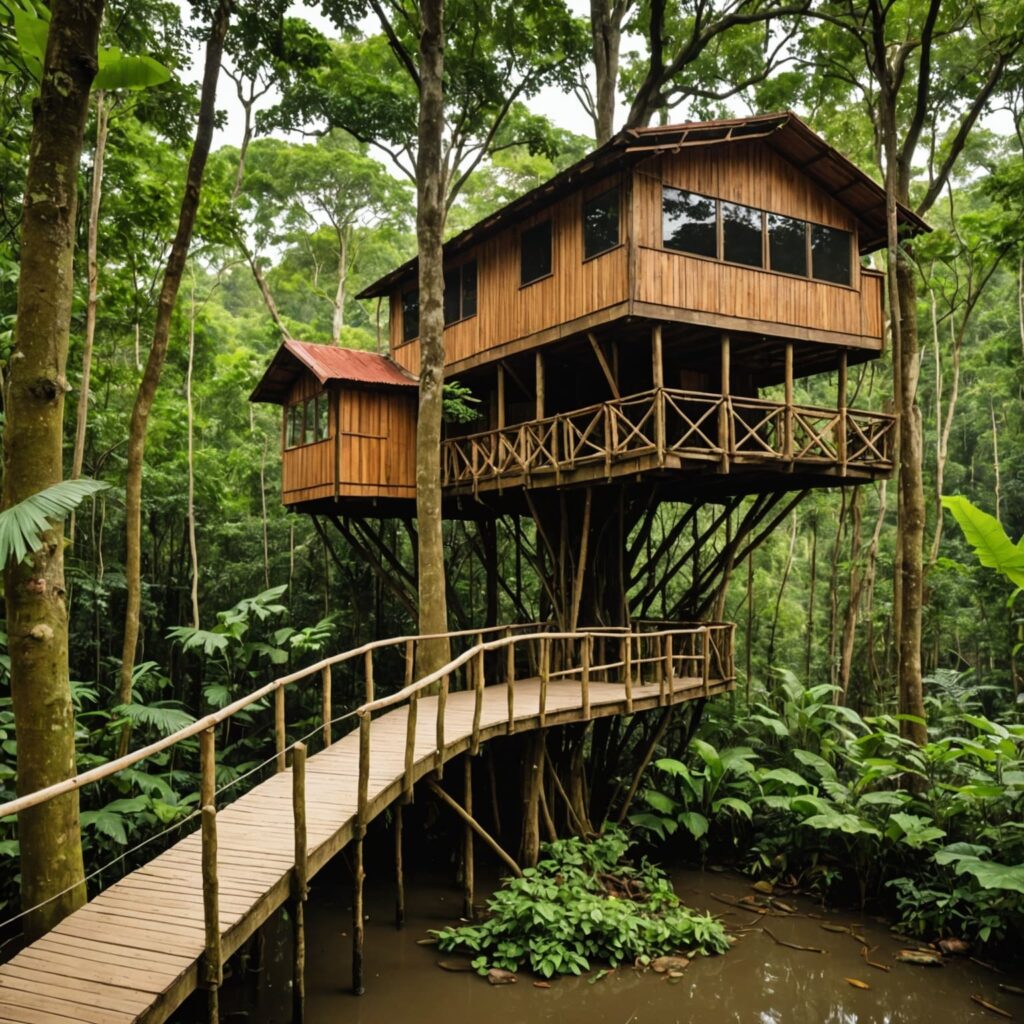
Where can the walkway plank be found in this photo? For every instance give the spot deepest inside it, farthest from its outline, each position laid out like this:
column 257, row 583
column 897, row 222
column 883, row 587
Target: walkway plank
column 130, row 954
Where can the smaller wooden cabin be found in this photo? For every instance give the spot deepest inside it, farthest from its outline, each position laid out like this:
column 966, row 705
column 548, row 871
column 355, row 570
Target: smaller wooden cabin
column 348, row 425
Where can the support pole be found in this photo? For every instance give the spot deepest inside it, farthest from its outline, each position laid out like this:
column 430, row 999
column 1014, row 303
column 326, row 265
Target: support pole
column 510, row 684
column 725, row 409
column 399, row 871
column 658, row 377
column 442, row 699
column 410, row 749
column 538, row 365
column 841, row 425
column 534, row 781
column 501, row 397
column 478, row 701
column 585, row 655
column 787, row 450
column 326, row 703
column 545, row 672
column 300, row 884
column 467, row 840
column 359, row 874
column 207, row 767
column 279, row 728
column 476, row 826
column 212, row 967
column 627, row 668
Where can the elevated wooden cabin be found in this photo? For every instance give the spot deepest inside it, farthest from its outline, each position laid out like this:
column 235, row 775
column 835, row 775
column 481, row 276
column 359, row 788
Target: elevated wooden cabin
column 348, row 427
column 649, row 310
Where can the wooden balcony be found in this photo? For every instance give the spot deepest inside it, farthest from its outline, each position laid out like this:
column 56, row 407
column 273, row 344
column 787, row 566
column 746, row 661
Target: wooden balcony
column 688, row 435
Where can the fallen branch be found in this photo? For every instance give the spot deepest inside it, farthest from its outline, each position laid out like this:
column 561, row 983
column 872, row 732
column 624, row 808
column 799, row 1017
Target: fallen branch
column 790, row 945
column 991, row 1007
column 866, row 955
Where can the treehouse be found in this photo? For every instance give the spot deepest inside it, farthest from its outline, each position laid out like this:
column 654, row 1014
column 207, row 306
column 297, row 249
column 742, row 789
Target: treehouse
column 647, row 314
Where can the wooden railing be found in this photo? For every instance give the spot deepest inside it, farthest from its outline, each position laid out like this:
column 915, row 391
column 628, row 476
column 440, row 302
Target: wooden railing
column 643, row 654
column 670, row 421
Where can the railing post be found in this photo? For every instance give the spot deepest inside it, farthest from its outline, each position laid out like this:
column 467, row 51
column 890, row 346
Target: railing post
column 410, row 660
column 442, row 699
column 545, row 671
column 706, row 659
column 585, row 676
column 368, row 675
column 410, row 749
column 665, row 674
column 359, row 874
column 326, row 705
column 725, row 409
column 301, row 884
column 478, row 701
column 841, row 420
column 510, row 682
column 279, row 728
column 787, row 443
column 627, row 667
column 207, row 767
column 658, row 377
column 671, row 668
column 213, row 973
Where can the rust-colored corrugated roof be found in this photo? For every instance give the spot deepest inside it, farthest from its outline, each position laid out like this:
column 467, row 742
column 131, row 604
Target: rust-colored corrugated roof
column 327, row 363
column 783, row 132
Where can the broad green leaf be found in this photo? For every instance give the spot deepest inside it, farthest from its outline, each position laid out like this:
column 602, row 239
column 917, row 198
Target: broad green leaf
column 832, row 821
column 23, row 524
column 786, row 776
column 733, row 803
column 818, row 763
column 120, row 72
column 694, row 823
column 990, row 541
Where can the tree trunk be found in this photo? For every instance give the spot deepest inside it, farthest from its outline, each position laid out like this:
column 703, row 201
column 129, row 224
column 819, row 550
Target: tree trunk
column 854, row 584
column 34, row 593
column 338, row 315
column 192, row 547
column 158, row 353
column 430, row 211
column 606, row 31
column 92, row 271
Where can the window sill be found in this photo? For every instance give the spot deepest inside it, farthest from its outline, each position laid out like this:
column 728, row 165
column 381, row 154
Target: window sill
column 307, row 444
column 537, row 280
column 603, row 252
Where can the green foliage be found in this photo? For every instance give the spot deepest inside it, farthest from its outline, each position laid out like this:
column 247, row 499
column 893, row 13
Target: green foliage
column 459, row 402
column 23, row 524
column 584, row 905
column 989, row 539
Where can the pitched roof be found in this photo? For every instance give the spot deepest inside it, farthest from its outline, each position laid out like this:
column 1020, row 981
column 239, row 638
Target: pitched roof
column 783, row 132
column 326, row 363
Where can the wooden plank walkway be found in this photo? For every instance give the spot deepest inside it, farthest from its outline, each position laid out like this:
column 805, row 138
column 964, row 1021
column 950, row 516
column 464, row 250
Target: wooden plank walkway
column 132, row 953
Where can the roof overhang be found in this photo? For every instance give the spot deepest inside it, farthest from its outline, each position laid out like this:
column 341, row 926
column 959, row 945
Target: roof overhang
column 783, row 132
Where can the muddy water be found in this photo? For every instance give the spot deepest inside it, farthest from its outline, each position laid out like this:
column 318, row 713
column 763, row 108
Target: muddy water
column 758, row 982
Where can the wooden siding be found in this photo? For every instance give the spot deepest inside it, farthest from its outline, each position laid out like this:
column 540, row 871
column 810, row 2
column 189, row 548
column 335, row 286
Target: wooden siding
column 508, row 311
column 376, row 451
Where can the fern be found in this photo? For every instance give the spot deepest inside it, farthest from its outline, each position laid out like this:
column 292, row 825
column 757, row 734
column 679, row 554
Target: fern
column 22, row 525
column 990, row 541
column 161, row 715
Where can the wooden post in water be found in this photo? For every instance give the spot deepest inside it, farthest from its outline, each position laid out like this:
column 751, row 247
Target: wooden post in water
column 326, row 704
column 359, row 875
column 534, row 781
column 213, row 973
column 399, row 871
column 300, row 884
column 467, row 840
column 279, row 728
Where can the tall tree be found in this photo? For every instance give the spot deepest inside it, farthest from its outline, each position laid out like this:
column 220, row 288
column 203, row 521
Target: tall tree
column 158, row 350
column 52, row 873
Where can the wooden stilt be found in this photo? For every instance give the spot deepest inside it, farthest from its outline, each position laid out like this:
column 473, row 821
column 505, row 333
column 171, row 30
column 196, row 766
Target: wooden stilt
column 534, row 781
column 359, row 874
column 212, row 966
column 399, row 871
column 300, row 888
column 476, row 826
column 649, row 750
column 467, row 840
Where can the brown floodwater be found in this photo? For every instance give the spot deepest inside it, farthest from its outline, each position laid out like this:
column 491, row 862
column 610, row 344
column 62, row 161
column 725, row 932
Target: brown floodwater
column 757, row 982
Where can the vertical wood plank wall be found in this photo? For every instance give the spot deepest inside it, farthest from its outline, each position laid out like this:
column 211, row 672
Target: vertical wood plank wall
column 507, row 311
column 377, row 450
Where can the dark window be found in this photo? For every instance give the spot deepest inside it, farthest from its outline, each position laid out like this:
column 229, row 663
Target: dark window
column 293, row 434
column 741, row 235
column 535, row 252
column 410, row 315
column 469, row 289
column 323, row 417
column 309, row 434
column 460, row 293
column 601, row 223
column 689, row 222
column 787, row 244
column 830, row 254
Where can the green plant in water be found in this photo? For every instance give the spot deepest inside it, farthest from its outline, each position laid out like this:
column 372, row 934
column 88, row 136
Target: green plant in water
column 584, row 904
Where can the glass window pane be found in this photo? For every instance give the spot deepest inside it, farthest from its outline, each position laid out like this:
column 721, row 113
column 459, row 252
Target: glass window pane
column 452, row 296
column 535, row 252
column 469, row 288
column 830, row 254
column 741, row 235
column 291, row 433
column 309, row 435
column 601, row 223
column 787, row 244
column 410, row 315
column 688, row 222
column 323, row 429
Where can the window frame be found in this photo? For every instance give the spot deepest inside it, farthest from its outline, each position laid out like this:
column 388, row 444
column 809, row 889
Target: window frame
column 615, row 190
column 550, row 272
column 297, row 410
column 403, row 295
column 717, row 257
column 460, row 269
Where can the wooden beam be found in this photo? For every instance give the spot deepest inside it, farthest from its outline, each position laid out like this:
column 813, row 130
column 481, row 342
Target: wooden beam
column 725, row 411
column 788, row 439
column 501, row 396
column 476, row 827
column 613, row 384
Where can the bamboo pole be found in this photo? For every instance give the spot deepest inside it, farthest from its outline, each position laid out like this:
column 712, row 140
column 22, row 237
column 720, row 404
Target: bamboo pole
column 671, row 670
column 207, row 767
column 510, row 683
column 399, row 871
column 410, row 749
column 213, row 973
column 467, row 840
column 327, row 704
column 478, row 702
column 442, row 698
column 476, row 826
column 545, row 672
column 301, row 883
column 534, row 781
column 279, row 728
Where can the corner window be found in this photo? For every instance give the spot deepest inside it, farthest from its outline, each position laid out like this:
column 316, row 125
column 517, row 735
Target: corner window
column 410, row 315
column 323, row 416
column 830, row 254
column 309, row 434
column 535, row 252
column 787, row 245
column 293, row 426
column 460, row 293
column 601, row 223
column 742, row 235
column 689, row 222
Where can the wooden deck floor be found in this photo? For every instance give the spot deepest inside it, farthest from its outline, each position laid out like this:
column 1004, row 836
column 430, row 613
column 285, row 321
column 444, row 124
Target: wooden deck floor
column 132, row 953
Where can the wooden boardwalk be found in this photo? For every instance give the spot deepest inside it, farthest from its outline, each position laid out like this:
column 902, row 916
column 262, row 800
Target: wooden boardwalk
column 133, row 953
